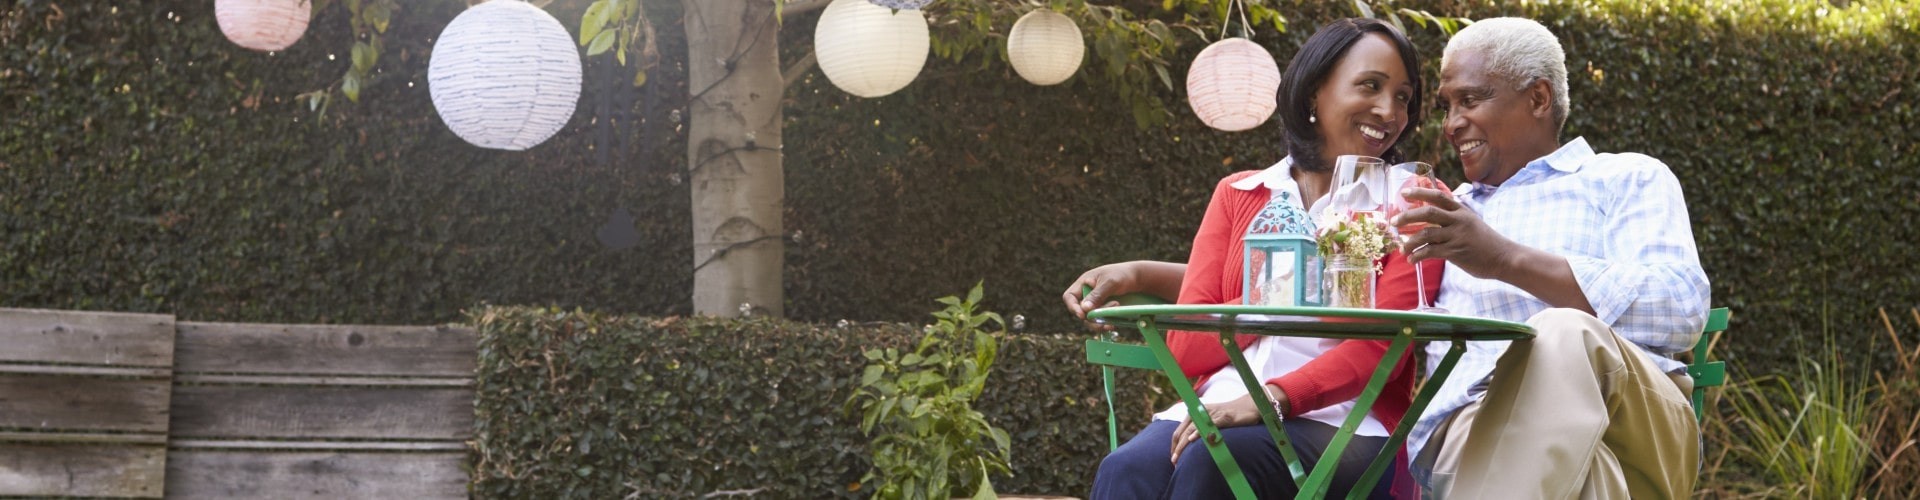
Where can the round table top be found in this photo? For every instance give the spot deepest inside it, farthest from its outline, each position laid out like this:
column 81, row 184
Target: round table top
column 1323, row 322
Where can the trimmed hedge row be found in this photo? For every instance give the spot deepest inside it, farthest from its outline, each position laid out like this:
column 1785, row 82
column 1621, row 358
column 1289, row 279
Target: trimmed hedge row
column 585, row 405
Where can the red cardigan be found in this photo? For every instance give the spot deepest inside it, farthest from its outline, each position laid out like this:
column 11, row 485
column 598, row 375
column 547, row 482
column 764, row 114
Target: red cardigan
column 1213, row 277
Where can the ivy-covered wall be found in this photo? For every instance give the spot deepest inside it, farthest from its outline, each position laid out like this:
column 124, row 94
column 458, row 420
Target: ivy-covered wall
column 150, row 165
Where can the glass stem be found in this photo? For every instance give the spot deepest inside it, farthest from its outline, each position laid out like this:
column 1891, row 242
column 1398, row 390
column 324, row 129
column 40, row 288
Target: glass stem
column 1419, row 283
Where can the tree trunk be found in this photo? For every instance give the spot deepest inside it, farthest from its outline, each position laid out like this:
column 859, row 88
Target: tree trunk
column 733, row 153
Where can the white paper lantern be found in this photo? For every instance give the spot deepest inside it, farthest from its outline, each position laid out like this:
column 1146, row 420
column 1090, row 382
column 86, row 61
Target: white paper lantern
column 1045, row 47
column 263, row 25
column 868, row 50
column 504, row 75
column 902, row 4
column 1233, row 85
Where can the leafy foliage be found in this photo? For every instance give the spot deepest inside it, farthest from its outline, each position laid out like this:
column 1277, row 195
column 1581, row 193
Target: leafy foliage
column 931, row 443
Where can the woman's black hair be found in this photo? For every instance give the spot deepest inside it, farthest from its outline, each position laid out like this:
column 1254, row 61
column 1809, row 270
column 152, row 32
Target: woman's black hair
column 1308, row 72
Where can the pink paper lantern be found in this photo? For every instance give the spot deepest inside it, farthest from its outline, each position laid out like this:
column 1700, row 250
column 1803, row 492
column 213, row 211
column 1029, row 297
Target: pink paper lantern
column 1233, row 85
column 263, row 25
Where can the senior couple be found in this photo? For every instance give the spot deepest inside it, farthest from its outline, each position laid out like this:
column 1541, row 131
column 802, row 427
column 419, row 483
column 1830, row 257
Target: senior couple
column 1592, row 250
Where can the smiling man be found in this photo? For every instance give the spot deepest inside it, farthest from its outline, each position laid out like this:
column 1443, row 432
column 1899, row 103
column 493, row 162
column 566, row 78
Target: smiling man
column 1595, row 252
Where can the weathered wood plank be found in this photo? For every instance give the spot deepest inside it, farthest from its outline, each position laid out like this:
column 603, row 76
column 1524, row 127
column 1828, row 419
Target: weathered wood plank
column 289, row 412
column 325, row 349
column 205, row 474
column 91, row 470
column 91, row 371
column 83, row 404
column 323, row 380
column 94, row 338
column 82, row 437
column 184, row 444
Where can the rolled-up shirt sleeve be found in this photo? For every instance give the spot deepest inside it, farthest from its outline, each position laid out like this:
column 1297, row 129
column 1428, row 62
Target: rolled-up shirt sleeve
column 1650, row 286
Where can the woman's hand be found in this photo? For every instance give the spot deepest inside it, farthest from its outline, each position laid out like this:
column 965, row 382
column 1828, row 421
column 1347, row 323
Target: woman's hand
column 1106, row 281
column 1233, row 413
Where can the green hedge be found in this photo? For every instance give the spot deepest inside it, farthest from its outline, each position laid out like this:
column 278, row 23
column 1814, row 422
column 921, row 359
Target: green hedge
column 147, row 164
column 585, row 405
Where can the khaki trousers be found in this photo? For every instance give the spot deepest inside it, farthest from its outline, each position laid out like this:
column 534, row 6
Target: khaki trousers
column 1577, row 412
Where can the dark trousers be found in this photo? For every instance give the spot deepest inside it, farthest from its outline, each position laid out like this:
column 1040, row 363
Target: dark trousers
column 1140, row 468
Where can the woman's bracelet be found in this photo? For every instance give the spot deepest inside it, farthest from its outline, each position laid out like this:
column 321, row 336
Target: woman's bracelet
column 1279, row 410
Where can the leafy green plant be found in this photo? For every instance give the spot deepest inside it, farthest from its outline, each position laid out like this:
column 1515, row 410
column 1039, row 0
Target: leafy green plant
column 928, row 441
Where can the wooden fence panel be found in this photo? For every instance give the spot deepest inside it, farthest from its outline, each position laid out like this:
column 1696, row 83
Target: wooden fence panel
column 321, row 412
column 61, row 403
column 82, row 469
column 217, row 474
column 86, row 338
column 308, row 411
column 84, row 402
column 355, row 350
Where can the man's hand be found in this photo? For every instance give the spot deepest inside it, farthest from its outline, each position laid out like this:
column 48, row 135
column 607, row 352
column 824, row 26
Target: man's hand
column 1233, row 413
column 1458, row 235
column 1454, row 233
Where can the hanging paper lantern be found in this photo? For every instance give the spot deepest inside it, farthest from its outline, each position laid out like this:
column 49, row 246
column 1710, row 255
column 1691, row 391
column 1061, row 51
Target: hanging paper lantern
column 902, row 4
column 1233, row 85
column 263, row 25
column 869, row 50
column 1045, row 47
column 504, row 75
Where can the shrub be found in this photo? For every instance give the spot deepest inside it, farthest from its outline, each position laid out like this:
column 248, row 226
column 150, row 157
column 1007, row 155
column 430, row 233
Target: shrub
column 575, row 404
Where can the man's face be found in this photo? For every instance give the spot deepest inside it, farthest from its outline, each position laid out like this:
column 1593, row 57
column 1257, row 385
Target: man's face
column 1487, row 119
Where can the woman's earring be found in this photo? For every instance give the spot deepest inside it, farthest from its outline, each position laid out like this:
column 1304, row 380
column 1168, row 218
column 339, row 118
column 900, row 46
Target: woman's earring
column 1313, row 119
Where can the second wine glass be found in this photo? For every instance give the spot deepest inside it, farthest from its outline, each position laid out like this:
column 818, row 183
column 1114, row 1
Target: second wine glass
column 1419, row 175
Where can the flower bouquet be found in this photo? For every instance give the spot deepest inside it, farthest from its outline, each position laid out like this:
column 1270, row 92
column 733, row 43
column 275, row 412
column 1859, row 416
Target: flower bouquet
column 1352, row 241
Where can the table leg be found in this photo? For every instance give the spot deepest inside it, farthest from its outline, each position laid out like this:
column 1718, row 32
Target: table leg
column 1322, row 478
column 1419, row 406
column 1276, row 428
column 1197, row 412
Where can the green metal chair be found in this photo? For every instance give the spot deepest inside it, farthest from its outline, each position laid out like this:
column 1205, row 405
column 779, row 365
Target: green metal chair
column 1705, row 374
column 1111, row 353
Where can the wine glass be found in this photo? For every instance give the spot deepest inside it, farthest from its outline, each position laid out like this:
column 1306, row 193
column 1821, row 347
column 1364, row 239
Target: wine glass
column 1360, row 184
column 1420, row 175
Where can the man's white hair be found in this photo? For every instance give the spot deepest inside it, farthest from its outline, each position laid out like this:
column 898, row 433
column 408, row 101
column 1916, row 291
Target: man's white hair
column 1519, row 50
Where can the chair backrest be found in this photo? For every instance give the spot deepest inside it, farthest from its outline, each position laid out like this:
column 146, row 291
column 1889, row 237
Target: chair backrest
column 1109, row 354
column 1707, row 374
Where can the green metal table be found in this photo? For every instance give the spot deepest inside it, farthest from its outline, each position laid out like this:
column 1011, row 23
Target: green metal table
column 1401, row 328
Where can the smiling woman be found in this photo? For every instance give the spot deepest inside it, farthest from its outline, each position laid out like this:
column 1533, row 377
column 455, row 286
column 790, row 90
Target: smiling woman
column 1351, row 90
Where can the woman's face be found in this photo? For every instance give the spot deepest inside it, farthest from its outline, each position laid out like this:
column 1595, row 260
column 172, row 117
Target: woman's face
column 1362, row 105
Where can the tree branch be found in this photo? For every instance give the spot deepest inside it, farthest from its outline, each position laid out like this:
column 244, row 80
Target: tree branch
column 799, row 68
column 804, row 6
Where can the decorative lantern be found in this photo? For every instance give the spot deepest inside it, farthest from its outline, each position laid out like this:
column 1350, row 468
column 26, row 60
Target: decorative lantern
column 902, row 4
column 263, row 25
column 1281, row 270
column 1045, row 47
column 869, row 50
column 1232, row 86
column 504, row 75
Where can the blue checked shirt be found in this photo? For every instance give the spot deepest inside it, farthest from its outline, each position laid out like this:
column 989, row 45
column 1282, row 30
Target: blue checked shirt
column 1621, row 223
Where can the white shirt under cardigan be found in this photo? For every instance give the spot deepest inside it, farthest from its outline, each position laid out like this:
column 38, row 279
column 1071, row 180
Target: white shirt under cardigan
column 1272, row 356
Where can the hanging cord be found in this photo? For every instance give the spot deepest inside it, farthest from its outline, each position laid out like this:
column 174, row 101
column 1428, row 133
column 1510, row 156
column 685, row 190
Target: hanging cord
column 1246, row 28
